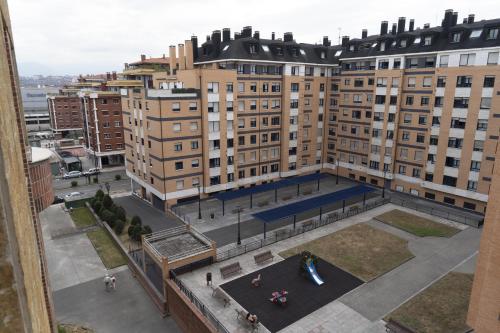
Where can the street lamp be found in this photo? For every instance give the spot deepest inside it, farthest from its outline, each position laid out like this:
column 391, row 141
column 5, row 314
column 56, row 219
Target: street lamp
column 106, row 184
column 337, row 179
column 383, row 186
column 199, row 202
column 239, row 231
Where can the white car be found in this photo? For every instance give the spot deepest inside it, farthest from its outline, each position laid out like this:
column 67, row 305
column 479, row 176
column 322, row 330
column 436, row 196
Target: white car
column 72, row 174
column 73, row 194
column 93, row 171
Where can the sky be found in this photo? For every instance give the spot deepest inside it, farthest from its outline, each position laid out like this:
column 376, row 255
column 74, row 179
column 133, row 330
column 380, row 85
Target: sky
column 57, row 37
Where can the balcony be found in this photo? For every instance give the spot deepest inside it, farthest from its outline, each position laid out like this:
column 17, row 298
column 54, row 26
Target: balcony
column 440, row 92
column 432, row 149
column 449, row 171
column 229, row 115
column 480, row 135
column 430, row 167
column 378, row 124
column 454, row 152
column 457, row 133
column 459, row 113
column 462, row 92
column 487, row 92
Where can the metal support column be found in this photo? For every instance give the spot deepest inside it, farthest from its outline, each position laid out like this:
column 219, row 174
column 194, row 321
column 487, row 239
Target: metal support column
column 343, row 206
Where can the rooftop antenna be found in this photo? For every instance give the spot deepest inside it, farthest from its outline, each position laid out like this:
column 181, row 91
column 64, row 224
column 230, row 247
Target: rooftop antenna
column 340, row 30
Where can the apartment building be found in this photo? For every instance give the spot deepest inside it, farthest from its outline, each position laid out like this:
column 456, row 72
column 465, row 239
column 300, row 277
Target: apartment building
column 66, row 118
column 411, row 109
column 26, row 296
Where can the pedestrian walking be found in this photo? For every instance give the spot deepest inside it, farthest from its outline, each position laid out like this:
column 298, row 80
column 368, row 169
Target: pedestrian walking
column 113, row 282
column 107, row 282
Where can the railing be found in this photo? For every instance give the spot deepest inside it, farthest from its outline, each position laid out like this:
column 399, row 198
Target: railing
column 437, row 212
column 286, row 233
column 199, row 304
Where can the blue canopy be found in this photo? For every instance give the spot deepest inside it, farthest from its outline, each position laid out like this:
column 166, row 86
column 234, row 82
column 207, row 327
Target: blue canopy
column 308, row 204
column 230, row 195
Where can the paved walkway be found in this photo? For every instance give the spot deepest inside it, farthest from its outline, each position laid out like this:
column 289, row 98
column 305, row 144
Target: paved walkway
column 127, row 309
column 434, row 258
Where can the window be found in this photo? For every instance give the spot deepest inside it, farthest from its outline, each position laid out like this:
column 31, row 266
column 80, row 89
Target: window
column 402, row 170
column 403, row 153
column 241, row 87
column 485, row 103
column 424, row 101
column 438, row 101
column 295, row 70
column 482, row 124
column 253, row 87
column 193, row 126
column 405, row 136
column 193, row 106
column 397, row 63
column 461, row 102
column 381, row 82
column 194, row 145
column 295, row 87
column 213, row 87
column 464, row 81
column 452, row 162
column 427, row 40
column 467, row 59
column 458, row 122
column 214, row 162
column 213, row 107
column 420, row 138
column 178, row 146
column 492, row 58
column 395, row 82
column 427, row 82
column 176, row 107
column 443, row 61
column 213, row 126
column 379, row 99
column 416, row 172
column 177, row 127
column 478, row 145
column 229, row 87
column 179, row 165
column 475, row 166
column 409, row 100
column 441, row 81
column 411, row 82
column 475, row 33
column 450, row 181
column 455, row 143
column 492, row 33
column 489, row 82
column 455, row 38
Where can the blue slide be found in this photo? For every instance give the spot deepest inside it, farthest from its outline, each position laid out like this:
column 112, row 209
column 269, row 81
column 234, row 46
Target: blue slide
column 313, row 274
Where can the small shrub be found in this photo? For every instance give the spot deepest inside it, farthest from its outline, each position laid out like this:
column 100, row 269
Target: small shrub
column 107, row 201
column 92, row 202
column 109, row 217
column 113, row 208
column 119, row 226
column 120, row 213
column 99, row 195
column 118, row 177
column 146, row 230
column 136, row 220
column 74, row 183
column 97, row 207
column 135, row 232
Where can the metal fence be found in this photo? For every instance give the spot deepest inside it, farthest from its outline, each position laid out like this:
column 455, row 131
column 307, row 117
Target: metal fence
column 303, row 227
column 439, row 212
column 199, row 304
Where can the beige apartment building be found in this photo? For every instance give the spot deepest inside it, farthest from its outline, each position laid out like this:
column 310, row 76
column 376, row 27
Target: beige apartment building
column 412, row 109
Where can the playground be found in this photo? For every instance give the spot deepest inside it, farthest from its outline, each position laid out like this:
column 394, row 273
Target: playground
column 303, row 294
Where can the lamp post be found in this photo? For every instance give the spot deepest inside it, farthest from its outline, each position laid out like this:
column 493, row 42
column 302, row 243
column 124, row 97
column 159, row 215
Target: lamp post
column 383, row 186
column 337, row 179
column 108, row 186
column 239, row 231
column 199, row 202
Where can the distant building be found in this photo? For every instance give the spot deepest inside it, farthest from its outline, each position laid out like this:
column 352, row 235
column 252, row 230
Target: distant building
column 41, row 177
column 36, row 110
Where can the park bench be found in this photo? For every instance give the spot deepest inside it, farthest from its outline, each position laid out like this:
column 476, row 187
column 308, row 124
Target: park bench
column 262, row 257
column 229, row 270
column 242, row 316
column 395, row 327
column 308, row 224
column 221, row 295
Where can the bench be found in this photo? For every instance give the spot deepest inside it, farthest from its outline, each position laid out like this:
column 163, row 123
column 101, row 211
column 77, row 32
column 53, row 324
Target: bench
column 229, row 270
column 220, row 294
column 262, row 257
column 242, row 316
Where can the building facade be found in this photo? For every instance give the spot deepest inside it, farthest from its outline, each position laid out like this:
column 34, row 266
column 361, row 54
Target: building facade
column 41, row 177
column 66, row 118
column 35, row 107
column 411, row 109
column 26, row 296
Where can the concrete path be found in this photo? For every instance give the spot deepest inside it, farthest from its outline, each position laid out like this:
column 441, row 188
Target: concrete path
column 434, row 258
column 151, row 216
column 71, row 260
column 127, row 309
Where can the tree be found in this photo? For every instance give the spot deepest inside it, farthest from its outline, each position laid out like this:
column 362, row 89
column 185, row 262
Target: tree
column 99, row 195
column 109, row 217
column 119, row 225
column 107, row 202
column 135, row 232
column 97, row 207
column 120, row 213
column 136, row 220
column 146, row 230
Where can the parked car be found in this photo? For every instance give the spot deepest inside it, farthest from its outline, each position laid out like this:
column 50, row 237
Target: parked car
column 57, row 200
column 93, row 171
column 72, row 174
column 73, row 194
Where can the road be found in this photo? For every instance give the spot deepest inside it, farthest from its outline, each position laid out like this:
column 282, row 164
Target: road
column 59, row 183
column 89, row 190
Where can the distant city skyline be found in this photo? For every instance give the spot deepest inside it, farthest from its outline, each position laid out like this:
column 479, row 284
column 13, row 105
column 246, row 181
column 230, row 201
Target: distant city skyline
column 96, row 37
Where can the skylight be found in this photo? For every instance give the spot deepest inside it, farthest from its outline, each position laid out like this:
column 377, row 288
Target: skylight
column 225, row 48
column 476, row 33
column 265, row 48
column 338, row 53
column 302, row 52
column 374, row 44
column 417, row 40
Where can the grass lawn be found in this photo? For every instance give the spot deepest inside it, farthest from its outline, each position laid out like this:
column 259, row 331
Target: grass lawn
column 416, row 225
column 110, row 255
column 82, row 217
column 362, row 250
column 440, row 308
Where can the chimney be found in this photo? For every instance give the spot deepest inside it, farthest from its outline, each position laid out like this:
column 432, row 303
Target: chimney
column 464, row 20
column 345, row 40
column 454, row 19
column 383, row 28
column 326, row 42
column 237, row 35
column 194, row 42
column 113, row 75
column 216, row 39
column 256, row 35
column 182, row 58
column 143, row 57
column 172, row 60
column 401, row 24
column 470, row 19
column 364, row 33
column 226, row 35
column 273, row 36
column 427, row 25
column 189, row 54
column 447, row 18
column 108, row 76
column 208, row 38
column 125, row 65
column 412, row 25
column 246, row 32
column 288, row 37
column 394, row 27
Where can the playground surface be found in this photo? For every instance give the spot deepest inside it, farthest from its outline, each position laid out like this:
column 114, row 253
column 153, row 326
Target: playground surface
column 304, row 296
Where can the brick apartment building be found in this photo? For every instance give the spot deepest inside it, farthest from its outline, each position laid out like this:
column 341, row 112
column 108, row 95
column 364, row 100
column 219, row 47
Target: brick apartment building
column 66, row 119
column 408, row 108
